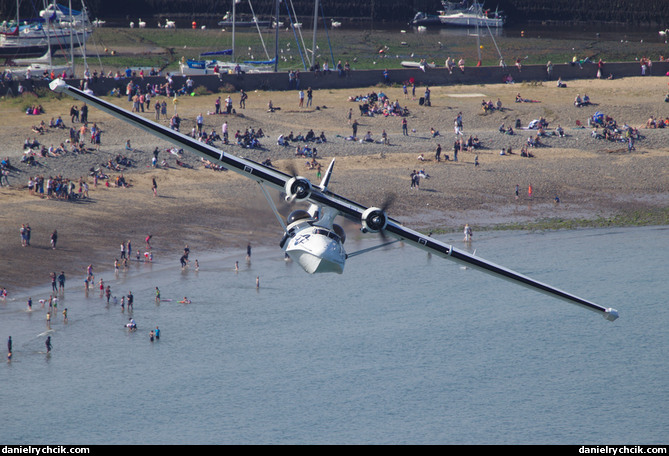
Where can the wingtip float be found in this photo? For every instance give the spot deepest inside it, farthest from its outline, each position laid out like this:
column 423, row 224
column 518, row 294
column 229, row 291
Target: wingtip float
column 311, row 238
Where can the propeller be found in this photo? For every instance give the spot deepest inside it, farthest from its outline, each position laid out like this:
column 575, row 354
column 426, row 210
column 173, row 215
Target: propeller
column 298, row 188
column 374, row 219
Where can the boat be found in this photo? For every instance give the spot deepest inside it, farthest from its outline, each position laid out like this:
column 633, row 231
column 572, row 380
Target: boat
column 424, row 19
column 473, row 16
column 420, row 65
column 206, row 65
column 210, row 63
column 58, row 28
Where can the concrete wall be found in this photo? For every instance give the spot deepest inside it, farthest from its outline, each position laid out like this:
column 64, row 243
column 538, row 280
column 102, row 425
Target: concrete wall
column 366, row 78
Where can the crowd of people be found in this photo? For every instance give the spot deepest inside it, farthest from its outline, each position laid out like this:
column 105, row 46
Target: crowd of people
column 378, row 104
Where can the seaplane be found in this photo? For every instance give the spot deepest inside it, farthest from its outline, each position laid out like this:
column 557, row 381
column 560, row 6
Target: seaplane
column 311, row 237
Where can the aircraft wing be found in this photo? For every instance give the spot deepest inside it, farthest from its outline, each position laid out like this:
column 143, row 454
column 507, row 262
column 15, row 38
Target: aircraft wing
column 372, row 219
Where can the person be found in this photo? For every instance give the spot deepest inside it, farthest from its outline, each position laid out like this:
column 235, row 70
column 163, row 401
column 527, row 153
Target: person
column 437, row 155
column 242, row 99
column 157, row 294
column 54, row 239
column 48, row 320
column 355, row 128
column 248, row 252
column 529, row 191
column 30, row 304
column 405, row 127
column 48, row 345
column 61, row 281
column 468, row 233
column 131, row 325
column 9, row 345
column 155, row 187
column 151, row 335
column 157, row 333
column 517, row 190
column 65, row 315
column 131, row 299
column 148, row 241
column 310, row 95
column 184, row 261
column 301, row 103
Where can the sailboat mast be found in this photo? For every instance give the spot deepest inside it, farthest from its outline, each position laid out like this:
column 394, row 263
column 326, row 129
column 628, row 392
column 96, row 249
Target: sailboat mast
column 276, row 38
column 71, row 37
column 313, row 45
column 234, row 15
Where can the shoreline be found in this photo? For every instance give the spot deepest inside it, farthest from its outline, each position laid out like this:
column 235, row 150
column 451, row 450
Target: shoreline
column 598, row 182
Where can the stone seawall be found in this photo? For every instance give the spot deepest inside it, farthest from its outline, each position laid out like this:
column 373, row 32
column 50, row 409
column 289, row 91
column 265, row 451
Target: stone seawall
column 367, row 78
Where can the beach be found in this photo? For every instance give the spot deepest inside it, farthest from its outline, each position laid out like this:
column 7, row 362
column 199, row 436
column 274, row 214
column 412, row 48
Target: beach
column 214, row 210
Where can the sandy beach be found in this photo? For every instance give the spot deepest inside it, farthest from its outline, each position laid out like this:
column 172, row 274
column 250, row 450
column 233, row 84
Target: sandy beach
column 212, row 210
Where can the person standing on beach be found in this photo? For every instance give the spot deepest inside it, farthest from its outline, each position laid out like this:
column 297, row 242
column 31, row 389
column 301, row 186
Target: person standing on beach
column 405, row 127
column 350, row 115
column 61, row 281
column 301, row 95
column 83, row 114
column 529, row 191
column 517, row 190
column 355, row 128
column 242, row 99
column 54, row 239
column 468, row 233
column 155, row 187
column 310, row 95
column 437, row 154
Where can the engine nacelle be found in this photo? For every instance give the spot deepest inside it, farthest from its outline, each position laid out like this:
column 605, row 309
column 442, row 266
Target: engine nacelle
column 339, row 231
column 297, row 189
column 373, row 220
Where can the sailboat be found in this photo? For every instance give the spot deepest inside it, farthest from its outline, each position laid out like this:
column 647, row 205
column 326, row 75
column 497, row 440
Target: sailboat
column 207, row 64
column 471, row 17
column 59, row 27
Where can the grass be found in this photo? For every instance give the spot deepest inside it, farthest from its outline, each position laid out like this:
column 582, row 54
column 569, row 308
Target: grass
column 365, row 49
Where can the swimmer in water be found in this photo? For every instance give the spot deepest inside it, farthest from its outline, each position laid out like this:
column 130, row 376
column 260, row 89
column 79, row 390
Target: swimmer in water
column 185, row 300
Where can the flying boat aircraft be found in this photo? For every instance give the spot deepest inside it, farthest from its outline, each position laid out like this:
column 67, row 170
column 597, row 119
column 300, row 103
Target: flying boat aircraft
column 311, row 237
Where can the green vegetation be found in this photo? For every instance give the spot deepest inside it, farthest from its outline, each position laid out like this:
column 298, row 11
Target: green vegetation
column 115, row 48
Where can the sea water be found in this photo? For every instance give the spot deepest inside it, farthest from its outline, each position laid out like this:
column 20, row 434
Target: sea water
column 403, row 348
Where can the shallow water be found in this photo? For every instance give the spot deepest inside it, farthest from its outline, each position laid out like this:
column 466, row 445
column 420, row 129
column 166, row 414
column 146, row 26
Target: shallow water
column 401, row 348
